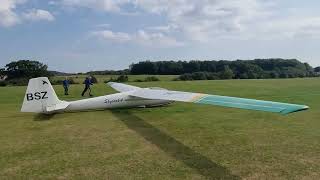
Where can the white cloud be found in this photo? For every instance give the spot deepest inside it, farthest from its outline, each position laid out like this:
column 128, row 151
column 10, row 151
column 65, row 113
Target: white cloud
column 166, row 29
column 156, row 39
column 38, row 15
column 113, row 36
column 141, row 37
column 202, row 20
column 8, row 17
column 105, row 5
column 207, row 20
column 197, row 20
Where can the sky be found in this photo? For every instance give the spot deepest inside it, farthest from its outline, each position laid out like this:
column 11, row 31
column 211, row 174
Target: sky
column 85, row 35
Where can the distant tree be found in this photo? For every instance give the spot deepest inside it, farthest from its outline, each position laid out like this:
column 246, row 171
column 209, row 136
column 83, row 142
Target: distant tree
column 26, row 69
column 274, row 74
column 243, row 76
column 109, row 72
column 283, row 75
column 227, row 73
column 2, row 73
column 146, row 67
column 316, row 71
column 239, row 69
column 192, row 66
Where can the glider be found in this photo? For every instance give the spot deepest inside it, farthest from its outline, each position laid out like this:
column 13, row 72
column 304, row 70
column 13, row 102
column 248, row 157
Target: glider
column 40, row 97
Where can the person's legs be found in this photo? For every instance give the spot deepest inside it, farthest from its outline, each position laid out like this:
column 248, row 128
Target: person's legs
column 84, row 91
column 90, row 91
column 66, row 90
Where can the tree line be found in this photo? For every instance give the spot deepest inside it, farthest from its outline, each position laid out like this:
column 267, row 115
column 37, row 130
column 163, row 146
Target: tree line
column 19, row 72
column 239, row 69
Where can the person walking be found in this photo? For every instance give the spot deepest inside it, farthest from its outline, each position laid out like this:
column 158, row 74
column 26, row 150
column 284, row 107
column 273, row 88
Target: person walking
column 66, row 84
column 87, row 84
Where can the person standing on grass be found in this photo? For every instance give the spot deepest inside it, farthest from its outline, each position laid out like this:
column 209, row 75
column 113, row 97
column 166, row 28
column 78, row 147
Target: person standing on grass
column 87, row 84
column 66, row 86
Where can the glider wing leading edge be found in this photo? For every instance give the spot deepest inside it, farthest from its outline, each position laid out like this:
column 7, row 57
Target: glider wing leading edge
column 122, row 87
column 225, row 101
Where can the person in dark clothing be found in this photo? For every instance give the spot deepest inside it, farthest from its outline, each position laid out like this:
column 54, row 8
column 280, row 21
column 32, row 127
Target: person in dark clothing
column 66, row 86
column 87, row 84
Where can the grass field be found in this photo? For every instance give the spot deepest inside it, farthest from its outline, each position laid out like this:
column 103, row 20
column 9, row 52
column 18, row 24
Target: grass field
column 180, row 141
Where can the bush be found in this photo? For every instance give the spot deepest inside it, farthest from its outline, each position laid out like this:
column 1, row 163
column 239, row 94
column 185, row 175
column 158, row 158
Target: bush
column 148, row 79
column 151, row 78
column 138, row 80
column 212, row 76
column 185, row 77
column 199, row 76
column 60, row 81
column 18, row 82
column 3, row 83
column 122, row 78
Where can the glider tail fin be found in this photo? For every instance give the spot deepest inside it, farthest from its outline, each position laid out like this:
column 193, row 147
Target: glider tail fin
column 40, row 97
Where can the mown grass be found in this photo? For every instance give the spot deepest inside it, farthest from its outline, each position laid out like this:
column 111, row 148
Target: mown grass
column 180, row 141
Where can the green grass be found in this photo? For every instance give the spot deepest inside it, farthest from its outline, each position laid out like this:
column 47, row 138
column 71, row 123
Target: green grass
column 180, row 141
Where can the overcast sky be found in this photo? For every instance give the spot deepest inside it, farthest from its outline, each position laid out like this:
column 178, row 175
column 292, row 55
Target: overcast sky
column 83, row 35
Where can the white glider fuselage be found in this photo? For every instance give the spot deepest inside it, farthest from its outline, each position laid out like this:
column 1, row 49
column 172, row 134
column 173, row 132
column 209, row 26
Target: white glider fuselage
column 118, row 100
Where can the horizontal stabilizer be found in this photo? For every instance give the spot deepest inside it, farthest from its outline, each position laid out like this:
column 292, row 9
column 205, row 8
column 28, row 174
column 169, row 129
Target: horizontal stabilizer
column 57, row 107
column 242, row 103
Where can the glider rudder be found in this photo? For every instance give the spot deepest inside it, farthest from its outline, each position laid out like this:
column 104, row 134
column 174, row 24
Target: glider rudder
column 40, row 97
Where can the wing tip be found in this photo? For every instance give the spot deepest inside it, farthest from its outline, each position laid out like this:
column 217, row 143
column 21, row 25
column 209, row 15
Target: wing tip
column 298, row 109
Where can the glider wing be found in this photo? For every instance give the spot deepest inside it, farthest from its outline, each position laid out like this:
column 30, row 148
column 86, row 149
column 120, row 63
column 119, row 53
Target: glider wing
column 122, row 87
column 242, row 103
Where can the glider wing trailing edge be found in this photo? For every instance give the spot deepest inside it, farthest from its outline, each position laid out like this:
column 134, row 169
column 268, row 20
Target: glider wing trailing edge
column 225, row 101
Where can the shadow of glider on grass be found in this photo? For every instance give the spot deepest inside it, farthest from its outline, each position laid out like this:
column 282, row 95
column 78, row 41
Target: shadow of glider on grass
column 41, row 98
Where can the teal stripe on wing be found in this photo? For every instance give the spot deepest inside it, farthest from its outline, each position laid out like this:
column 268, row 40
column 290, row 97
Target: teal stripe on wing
column 251, row 104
